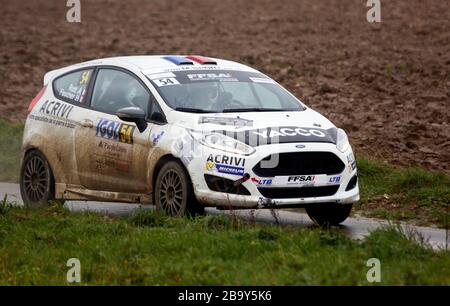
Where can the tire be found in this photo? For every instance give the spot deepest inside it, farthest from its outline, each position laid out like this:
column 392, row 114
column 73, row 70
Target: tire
column 174, row 193
column 325, row 214
column 37, row 183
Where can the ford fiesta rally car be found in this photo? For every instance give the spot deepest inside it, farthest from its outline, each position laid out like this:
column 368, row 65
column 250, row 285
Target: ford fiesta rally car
column 183, row 132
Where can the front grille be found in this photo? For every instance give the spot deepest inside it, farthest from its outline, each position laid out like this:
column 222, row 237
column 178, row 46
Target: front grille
column 298, row 192
column 221, row 184
column 302, row 163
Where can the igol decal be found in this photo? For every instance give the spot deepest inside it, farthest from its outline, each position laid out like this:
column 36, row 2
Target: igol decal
column 115, row 131
column 57, row 109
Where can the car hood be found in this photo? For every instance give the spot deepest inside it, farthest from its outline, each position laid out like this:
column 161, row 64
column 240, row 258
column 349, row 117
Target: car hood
column 299, row 126
column 249, row 120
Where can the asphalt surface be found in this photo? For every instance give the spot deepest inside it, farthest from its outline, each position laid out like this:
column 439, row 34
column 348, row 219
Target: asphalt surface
column 355, row 228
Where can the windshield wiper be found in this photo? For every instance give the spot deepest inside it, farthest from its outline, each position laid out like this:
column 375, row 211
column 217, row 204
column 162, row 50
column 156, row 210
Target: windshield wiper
column 252, row 109
column 193, row 110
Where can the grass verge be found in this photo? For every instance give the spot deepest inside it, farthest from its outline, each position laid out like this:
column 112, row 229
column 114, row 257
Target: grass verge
column 10, row 144
column 152, row 249
column 409, row 194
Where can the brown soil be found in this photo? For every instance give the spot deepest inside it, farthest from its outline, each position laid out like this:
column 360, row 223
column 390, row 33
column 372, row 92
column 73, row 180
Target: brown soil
column 387, row 84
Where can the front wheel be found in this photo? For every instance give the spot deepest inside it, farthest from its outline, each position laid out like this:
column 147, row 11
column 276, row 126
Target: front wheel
column 328, row 213
column 174, row 193
column 37, row 184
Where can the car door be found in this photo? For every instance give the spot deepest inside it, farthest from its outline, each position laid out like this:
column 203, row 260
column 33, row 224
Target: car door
column 70, row 92
column 111, row 154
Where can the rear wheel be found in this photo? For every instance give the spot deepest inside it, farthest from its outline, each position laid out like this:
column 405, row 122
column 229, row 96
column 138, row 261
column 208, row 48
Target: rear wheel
column 37, row 184
column 174, row 193
column 328, row 213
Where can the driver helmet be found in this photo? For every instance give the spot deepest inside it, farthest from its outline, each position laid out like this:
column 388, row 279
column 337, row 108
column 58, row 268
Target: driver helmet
column 204, row 94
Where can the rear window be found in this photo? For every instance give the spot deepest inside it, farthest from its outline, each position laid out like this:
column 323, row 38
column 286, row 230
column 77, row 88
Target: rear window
column 73, row 86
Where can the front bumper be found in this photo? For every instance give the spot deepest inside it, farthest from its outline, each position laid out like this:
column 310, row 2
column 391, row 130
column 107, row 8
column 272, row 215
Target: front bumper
column 201, row 165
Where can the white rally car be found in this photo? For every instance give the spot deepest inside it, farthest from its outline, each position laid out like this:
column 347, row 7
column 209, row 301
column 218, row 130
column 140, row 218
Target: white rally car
column 183, row 132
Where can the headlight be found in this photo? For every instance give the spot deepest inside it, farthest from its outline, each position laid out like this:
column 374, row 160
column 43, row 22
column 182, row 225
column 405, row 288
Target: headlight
column 223, row 143
column 342, row 143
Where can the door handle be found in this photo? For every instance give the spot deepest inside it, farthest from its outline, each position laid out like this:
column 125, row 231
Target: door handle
column 87, row 123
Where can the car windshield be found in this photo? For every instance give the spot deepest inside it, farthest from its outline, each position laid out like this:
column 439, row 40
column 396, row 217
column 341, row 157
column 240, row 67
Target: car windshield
column 217, row 91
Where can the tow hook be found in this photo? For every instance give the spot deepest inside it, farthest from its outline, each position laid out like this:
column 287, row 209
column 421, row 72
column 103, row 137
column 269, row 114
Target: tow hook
column 265, row 203
column 243, row 179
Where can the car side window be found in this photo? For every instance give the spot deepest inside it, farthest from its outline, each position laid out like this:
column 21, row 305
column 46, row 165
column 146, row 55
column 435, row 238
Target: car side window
column 73, row 86
column 115, row 89
column 155, row 108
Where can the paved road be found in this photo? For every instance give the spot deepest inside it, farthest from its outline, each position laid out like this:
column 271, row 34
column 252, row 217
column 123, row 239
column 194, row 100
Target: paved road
column 355, row 228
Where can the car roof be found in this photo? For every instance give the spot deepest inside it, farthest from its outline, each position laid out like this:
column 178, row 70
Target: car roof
column 149, row 64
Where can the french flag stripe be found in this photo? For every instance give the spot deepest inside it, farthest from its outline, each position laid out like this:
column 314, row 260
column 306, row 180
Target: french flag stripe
column 178, row 60
column 202, row 60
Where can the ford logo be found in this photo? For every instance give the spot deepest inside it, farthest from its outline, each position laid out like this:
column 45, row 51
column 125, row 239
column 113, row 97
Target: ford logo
column 300, row 146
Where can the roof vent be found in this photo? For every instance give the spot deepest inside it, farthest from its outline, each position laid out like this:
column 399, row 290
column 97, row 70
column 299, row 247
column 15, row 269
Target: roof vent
column 178, row 60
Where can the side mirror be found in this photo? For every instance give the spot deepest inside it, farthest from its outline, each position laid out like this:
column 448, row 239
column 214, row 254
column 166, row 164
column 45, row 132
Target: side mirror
column 158, row 117
column 133, row 114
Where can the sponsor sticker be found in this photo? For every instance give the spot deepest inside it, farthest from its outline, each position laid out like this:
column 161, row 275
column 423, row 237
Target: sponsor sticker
column 116, row 131
column 334, row 179
column 53, row 121
column 258, row 181
column 282, row 134
column 156, row 137
column 166, row 82
column 211, row 77
column 290, row 132
column 161, row 75
column 84, row 79
column 303, row 180
column 262, row 80
column 237, row 122
column 225, row 164
column 351, row 162
column 229, row 169
column 111, row 156
column 226, row 160
column 57, row 109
